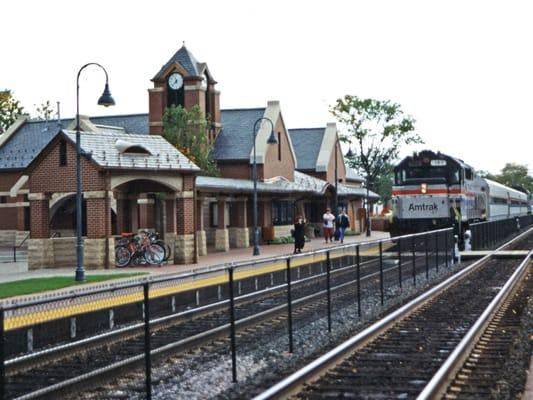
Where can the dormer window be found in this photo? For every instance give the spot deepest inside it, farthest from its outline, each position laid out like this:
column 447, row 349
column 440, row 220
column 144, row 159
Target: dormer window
column 125, row 147
column 136, row 150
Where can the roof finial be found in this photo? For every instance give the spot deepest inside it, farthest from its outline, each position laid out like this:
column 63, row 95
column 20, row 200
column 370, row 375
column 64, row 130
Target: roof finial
column 184, row 43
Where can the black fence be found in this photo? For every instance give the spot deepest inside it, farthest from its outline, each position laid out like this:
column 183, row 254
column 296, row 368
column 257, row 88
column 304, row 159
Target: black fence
column 369, row 270
column 490, row 234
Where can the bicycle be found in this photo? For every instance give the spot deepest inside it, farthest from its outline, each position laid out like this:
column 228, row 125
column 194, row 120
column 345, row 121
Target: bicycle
column 138, row 250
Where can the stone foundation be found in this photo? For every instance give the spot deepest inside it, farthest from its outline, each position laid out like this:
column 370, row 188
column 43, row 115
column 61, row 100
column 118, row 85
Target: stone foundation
column 201, row 241
column 282, row 230
column 61, row 252
column 239, row 237
column 10, row 238
column 184, row 249
column 221, row 240
column 40, row 253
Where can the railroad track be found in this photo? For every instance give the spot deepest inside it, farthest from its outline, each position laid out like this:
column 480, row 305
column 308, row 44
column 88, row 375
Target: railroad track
column 63, row 369
column 414, row 350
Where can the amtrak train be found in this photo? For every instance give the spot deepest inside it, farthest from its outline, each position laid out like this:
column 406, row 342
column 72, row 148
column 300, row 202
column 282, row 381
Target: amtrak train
column 433, row 190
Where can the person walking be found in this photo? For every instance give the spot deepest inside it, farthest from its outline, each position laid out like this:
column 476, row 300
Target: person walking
column 299, row 234
column 328, row 218
column 343, row 223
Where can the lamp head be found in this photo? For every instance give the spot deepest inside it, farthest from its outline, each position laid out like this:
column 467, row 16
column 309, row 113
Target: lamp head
column 272, row 138
column 106, row 99
column 349, row 154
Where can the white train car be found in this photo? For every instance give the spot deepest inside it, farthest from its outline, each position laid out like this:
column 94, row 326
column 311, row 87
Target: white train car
column 505, row 202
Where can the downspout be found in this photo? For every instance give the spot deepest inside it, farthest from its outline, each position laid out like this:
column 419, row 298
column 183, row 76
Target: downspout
column 107, row 220
column 194, row 206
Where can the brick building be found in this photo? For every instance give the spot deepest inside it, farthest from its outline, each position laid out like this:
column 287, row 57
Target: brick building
column 134, row 179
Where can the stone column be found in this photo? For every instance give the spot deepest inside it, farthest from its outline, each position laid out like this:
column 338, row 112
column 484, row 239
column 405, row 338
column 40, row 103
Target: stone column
column 40, row 248
column 239, row 234
column 201, row 237
column 184, row 243
column 221, row 234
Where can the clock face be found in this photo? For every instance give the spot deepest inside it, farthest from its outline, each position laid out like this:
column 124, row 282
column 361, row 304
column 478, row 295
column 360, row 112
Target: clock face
column 175, row 81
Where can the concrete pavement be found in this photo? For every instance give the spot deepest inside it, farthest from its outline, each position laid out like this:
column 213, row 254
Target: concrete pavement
column 17, row 271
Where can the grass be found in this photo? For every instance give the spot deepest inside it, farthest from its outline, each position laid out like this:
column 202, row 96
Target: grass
column 37, row 285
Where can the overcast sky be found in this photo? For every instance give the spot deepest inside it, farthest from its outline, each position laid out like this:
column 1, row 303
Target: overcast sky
column 462, row 69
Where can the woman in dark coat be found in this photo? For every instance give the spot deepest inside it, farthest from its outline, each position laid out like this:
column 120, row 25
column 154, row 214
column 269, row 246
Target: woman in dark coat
column 299, row 234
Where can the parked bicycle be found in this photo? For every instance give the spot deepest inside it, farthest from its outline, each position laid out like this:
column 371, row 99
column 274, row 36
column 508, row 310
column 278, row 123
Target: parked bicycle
column 143, row 248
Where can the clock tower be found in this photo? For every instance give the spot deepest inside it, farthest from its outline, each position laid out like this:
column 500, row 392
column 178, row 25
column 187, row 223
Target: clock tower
column 183, row 81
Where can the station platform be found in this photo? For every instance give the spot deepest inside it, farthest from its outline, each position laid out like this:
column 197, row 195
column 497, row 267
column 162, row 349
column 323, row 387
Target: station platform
column 10, row 272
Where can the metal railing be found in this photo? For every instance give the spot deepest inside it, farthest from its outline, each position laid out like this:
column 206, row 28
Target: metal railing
column 389, row 263
column 19, row 246
column 489, row 234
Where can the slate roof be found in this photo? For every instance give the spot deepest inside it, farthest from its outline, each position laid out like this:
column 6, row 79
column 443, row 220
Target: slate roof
column 33, row 136
column 134, row 123
column 27, row 142
column 345, row 190
column 235, row 140
column 106, row 154
column 306, row 143
column 185, row 58
column 246, row 186
column 352, row 175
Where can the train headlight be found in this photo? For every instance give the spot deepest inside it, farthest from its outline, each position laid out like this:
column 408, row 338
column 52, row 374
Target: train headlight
column 424, row 188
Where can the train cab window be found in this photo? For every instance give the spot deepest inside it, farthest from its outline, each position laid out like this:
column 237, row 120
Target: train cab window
column 468, row 174
column 455, row 176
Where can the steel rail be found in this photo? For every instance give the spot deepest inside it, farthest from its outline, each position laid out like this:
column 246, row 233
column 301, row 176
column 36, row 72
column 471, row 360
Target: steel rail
column 120, row 333
column 437, row 386
column 317, row 367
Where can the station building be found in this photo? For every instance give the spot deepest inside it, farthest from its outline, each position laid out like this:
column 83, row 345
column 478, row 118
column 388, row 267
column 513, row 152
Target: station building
column 133, row 179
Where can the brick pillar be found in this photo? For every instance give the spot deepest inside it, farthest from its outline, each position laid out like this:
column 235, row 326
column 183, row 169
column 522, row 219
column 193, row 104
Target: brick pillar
column 239, row 235
column 39, row 215
column 184, row 244
column 201, row 237
column 221, row 233
column 98, row 246
column 170, row 205
column 146, row 212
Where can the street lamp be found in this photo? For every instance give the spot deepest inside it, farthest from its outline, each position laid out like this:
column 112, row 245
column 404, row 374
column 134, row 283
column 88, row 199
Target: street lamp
column 349, row 154
column 271, row 140
column 105, row 100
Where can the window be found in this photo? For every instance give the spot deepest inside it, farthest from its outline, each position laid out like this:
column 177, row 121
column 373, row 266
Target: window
column 136, row 149
column 213, row 214
column 279, row 146
column 282, row 212
column 3, row 199
column 62, row 152
column 468, row 174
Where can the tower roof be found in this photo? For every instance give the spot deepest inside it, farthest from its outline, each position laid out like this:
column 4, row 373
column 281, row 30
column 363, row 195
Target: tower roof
column 184, row 58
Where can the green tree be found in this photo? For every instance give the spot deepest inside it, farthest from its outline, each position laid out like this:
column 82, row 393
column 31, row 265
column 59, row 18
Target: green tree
column 187, row 130
column 516, row 176
column 383, row 183
column 378, row 129
column 10, row 110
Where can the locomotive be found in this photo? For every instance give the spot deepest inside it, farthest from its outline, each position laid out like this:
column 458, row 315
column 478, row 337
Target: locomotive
column 433, row 190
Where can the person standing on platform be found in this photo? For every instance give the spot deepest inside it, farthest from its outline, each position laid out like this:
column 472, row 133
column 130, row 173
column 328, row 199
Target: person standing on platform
column 343, row 223
column 299, row 234
column 328, row 218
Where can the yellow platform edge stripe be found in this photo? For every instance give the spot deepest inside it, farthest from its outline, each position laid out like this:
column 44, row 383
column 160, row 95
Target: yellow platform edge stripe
column 21, row 321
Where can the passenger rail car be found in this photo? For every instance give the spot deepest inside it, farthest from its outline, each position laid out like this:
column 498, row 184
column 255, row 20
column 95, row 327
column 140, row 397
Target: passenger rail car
column 433, row 190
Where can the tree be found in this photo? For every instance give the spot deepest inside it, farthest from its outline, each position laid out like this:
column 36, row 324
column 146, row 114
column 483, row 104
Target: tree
column 383, row 183
column 44, row 111
column 187, row 131
column 516, row 176
column 10, row 110
column 378, row 129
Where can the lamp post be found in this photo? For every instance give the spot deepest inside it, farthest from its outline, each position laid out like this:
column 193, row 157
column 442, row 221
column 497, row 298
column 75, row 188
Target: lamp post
column 271, row 140
column 367, row 208
column 105, row 100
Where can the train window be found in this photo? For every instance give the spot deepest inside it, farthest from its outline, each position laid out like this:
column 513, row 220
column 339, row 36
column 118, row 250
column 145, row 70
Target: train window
column 468, row 174
column 455, row 176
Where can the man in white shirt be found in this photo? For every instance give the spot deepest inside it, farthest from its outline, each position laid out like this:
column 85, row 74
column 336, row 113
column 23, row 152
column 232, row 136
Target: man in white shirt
column 328, row 218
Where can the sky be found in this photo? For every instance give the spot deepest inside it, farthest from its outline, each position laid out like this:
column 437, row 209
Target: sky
column 462, row 69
